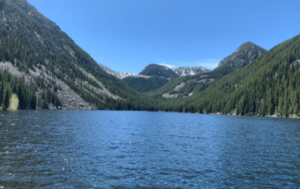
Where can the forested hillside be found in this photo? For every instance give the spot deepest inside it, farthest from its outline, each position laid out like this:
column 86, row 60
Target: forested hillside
column 185, row 87
column 151, row 78
column 269, row 86
column 10, row 85
column 143, row 84
column 244, row 55
column 159, row 70
column 34, row 48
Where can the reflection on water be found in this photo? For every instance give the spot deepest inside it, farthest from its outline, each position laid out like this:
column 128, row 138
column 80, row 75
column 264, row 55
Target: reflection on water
column 90, row 149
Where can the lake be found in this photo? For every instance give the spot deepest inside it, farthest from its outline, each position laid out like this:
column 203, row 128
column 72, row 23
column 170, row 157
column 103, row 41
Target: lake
column 111, row 149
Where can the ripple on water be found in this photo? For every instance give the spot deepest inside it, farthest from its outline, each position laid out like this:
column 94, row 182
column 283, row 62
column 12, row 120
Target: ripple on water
column 113, row 147
column 150, row 150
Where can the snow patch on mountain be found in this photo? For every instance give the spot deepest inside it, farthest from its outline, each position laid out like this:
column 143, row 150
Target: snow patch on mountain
column 184, row 71
column 119, row 75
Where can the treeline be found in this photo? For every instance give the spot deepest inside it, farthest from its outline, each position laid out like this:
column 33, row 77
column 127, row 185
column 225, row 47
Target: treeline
column 10, row 85
column 270, row 85
column 26, row 93
column 145, row 84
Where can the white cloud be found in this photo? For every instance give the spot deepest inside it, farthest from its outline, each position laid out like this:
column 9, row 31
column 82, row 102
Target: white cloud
column 167, row 65
column 209, row 63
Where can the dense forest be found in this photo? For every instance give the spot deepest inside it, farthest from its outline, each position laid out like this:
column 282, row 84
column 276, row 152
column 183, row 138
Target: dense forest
column 26, row 93
column 12, row 85
column 159, row 70
column 270, row 85
column 45, row 54
column 142, row 84
column 245, row 54
column 158, row 76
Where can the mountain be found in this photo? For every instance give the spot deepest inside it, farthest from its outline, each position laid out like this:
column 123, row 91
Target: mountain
column 145, row 83
column 269, row 86
column 187, row 86
column 192, row 80
column 244, row 55
column 184, row 71
column 119, row 75
column 152, row 77
column 35, row 55
column 160, row 71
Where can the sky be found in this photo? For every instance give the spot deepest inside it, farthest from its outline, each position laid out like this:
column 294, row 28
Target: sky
column 128, row 35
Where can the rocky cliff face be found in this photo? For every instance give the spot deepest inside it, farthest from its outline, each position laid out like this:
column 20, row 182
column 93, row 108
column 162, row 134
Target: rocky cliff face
column 184, row 71
column 246, row 53
column 119, row 75
column 70, row 99
column 122, row 75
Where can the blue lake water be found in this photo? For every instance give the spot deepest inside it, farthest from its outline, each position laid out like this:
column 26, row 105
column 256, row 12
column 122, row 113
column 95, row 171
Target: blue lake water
column 110, row 149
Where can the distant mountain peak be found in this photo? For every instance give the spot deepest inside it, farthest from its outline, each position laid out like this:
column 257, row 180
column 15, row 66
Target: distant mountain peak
column 119, row 75
column 245, row 54
column 247, row 46
column 159, row 70
column 184, row 71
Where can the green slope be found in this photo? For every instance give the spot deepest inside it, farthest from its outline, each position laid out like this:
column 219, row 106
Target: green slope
column 159, row 71
column 15, row 88
column 270, row 85
column 244, row 55
column 141, row 84
column 32, row 42
column 159, row 76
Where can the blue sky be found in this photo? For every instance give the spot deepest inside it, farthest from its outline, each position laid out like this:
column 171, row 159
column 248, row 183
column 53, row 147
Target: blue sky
column 127, row 35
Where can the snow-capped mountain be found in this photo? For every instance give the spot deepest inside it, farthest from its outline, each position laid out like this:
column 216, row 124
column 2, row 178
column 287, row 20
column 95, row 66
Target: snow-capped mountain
column 184, row 71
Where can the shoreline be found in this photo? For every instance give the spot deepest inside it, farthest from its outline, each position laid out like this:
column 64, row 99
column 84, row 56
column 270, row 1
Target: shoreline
column 218, row 113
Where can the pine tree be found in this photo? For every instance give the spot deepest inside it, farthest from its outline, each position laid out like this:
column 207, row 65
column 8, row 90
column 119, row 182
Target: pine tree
column 6, row 98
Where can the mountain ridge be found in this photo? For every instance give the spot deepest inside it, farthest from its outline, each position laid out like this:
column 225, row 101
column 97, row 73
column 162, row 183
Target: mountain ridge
column 159, row 71
column 64, row 75
column 184, row 71
column 119, row 75
column 270, row 86
column 193, row 84
column 151, row 77
column 181, row 71
column 239, row 57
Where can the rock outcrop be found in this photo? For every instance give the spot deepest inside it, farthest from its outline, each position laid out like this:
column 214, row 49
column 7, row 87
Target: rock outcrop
column 119, row 75
column 184, row 71
column 245, row 54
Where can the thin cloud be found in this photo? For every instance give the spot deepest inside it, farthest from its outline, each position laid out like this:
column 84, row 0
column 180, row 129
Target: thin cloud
column 167, row 65
column 209, row 63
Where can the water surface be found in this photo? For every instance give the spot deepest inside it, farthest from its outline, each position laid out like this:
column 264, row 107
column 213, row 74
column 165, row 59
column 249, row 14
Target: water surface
column 109, row 149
